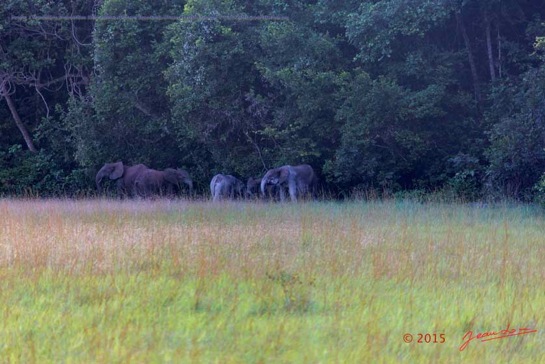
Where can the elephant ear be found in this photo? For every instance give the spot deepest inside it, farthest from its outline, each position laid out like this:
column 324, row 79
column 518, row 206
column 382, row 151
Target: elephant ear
column 284, row 174
column 117, row 171
column 172, row 176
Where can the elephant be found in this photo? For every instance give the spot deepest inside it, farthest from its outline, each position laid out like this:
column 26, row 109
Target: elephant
column 164, row 183
column 125, row 176
column 226, row 186
column 253, row 186
column 299, row 180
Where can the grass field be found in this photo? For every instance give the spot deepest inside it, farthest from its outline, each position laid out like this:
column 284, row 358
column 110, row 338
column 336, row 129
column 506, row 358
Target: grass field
column 174, row 281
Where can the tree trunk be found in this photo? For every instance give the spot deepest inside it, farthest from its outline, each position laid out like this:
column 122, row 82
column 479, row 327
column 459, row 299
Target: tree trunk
column 489, row 49
column 18, row 122
column 499, row 52
column 472, row 66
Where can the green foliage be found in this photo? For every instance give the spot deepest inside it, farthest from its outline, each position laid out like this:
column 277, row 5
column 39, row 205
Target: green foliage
column 40, row 61
column 539, row 189
column 466, row 177
column 517, row 140
column 303, row 69
column 27, row 174
column 210, row 86
column 389, row 95
column 125, row 118
column 379, row 28
column 248, row 96
column 392, row 137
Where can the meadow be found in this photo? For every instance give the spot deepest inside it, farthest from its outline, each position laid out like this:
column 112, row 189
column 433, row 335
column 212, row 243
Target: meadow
column 110, row 281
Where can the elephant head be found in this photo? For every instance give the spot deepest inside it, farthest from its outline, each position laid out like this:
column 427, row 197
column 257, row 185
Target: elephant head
column 177, row 177
column 124, row 175
column 226, row 186
column 299, row 180
column 253, row 188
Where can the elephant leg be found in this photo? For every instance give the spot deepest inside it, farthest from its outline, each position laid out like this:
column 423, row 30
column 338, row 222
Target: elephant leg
column 217, row 192
column 133, row 191
column 302, row 189
column 224, row 191
column 293, row 190
column 282, row 193
column 119, row 187
column 171, row 190
column 143, row 191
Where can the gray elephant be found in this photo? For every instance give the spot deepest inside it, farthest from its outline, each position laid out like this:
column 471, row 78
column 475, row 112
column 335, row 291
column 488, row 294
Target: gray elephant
column 124, row 176
column 226, row 187
column 298, row 180
column 163, row 183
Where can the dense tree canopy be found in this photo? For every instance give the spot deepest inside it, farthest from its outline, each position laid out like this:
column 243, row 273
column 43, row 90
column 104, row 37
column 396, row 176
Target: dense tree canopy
column 389, row 95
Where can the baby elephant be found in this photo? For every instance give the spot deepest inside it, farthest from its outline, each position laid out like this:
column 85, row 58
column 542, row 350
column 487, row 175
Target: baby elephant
column 226, row 187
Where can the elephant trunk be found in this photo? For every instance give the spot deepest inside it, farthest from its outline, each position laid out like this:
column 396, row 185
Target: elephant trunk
column 98, row 180
column 189, row 183
column 263, row 183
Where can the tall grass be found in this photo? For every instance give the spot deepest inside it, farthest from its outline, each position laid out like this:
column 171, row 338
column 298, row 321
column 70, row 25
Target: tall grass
column 177, row 281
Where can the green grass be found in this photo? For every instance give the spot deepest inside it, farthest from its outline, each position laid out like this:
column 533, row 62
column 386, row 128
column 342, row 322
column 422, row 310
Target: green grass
column 176, row 281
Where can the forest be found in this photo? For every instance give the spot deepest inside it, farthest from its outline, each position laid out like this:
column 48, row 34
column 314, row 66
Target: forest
column 390, row 97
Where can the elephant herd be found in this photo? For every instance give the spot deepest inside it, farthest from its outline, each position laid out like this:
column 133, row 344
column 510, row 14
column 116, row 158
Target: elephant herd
column 141, row 181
